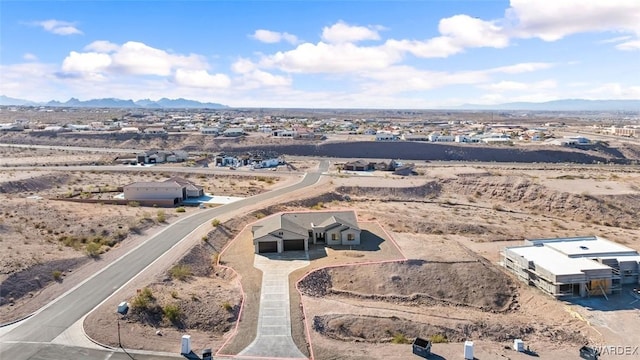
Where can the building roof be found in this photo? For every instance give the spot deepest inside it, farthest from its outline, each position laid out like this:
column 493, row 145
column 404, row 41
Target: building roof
column 147, row 184
column 301, row 222
column 556, row 262
column 590, row 246
column 184, row 182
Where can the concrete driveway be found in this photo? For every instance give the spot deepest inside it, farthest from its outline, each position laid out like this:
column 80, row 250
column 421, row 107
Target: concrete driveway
column 273, row 338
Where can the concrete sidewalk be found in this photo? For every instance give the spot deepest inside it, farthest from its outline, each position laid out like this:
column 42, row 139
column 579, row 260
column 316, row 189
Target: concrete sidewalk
column 273, row 337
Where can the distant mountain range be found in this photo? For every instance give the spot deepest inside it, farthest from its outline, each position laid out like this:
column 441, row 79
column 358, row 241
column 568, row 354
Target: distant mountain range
column 163, row 103
column 562, row 105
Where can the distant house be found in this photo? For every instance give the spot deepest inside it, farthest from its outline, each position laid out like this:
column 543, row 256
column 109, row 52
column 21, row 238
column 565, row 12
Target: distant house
column 386, row 137
column 169, row 192
column 415, row 137
column 210, row 131
column 160, row 156
column 130, row 129
column 233, row 132
column 155, row 131
column 359, row 165
column 284, row 133
column 296, row 230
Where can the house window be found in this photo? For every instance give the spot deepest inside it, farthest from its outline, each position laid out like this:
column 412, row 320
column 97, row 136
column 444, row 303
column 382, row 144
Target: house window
column 334, row 236
column 351, row 237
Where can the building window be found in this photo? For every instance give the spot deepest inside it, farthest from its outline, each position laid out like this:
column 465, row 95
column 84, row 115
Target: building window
column 334, row 236
column 351, row 237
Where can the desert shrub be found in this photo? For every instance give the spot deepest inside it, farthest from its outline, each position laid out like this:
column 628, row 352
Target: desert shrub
column 174, row 294
column 215, row 222
column 227, row 306
column 318, row 206
column 57, row 275
column 400, row 338
column 172, row 312
column 161, row 216
column 180, row 209
column 133, row 203
column 180, row 272
column 93, row 249
column 143, row 299
column 438, row 339
column 260, row 215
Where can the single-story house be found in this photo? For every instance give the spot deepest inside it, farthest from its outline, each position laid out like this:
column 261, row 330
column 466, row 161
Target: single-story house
column 233, row 132
column 171, row 191
column 296, row 230
column 359, row 165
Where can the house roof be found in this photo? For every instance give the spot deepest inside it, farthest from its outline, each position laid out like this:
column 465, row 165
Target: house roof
column 184, row 182
column 301, row 222
column 147, row 184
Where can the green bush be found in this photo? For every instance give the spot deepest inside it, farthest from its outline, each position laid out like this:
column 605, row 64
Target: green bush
column 143, row 299
column 57, row 275
column 438, row 339
column 400, row 338
column 215, row 222
column 172, row 312
column 161, row 216
column 93, row 249
column 180, row 209
column 227, row 306
column 180, row 272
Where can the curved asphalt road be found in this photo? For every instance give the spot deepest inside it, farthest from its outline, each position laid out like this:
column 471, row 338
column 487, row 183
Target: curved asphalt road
column 57, row 316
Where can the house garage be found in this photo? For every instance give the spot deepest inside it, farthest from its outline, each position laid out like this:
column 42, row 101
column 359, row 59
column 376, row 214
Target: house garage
column 267, row 247
column 293, row 244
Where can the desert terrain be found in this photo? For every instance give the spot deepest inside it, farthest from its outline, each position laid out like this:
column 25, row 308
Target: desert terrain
column 430, row 268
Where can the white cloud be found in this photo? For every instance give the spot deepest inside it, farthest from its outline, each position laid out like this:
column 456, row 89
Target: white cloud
column 130, row 58
column 138, row 58
column 553, row 20
column 629, row 45
column 259, row 79
column 522, row 68
column 102, row 46
column 614, row 91
column 457, row 33
column 242, row 66
column 86, row 63
column 519, row 86
column 332, row 58
column 271, row 37
column 342, row 32
column 58, row 27
column 201, row 79
column 29, row 57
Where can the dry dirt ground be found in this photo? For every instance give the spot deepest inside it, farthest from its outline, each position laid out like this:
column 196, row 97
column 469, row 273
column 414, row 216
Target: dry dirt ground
column 45, row 241
column 430, row 270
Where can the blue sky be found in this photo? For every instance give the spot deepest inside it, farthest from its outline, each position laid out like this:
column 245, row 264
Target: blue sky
column 329, row 54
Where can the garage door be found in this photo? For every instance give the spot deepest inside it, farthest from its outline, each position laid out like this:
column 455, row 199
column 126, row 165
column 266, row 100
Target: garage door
column 290, row 245
column 267, row 247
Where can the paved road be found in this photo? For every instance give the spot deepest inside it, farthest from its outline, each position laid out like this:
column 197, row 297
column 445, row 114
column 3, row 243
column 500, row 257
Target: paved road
column 73, row 148
column 56, row 317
